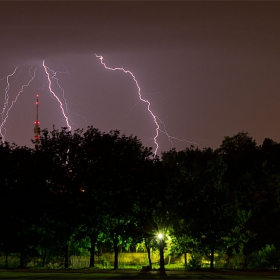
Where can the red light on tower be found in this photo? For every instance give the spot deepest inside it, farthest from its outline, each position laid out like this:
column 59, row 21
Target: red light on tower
column 36, row 127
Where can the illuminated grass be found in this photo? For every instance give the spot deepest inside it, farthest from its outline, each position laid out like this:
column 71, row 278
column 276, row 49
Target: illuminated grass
column 129, row 274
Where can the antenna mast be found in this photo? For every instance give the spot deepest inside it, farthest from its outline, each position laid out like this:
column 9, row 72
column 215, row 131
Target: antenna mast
column 36, row 127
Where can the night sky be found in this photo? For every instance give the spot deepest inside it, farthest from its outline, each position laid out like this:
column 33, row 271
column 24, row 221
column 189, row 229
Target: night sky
column 209, row 69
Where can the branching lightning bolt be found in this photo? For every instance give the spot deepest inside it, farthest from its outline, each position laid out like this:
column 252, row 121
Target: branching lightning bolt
column 156, row 119
column 5, row 111
column 6, row 91
column 69, row 112
column 139, row 94
column 172, row 137
column 47, row 69
column 52, row 76
column 130, row 110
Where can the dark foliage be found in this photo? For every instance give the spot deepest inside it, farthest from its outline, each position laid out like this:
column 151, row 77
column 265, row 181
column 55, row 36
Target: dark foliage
column 88, row 188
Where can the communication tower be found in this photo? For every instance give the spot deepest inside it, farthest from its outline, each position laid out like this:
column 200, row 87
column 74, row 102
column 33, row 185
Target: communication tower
column 36, row 127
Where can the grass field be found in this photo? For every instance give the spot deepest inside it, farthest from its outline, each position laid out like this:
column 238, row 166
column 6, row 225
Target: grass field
column 134, row 274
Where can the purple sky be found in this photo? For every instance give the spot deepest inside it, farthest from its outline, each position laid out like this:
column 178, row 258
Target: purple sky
column 209, row 69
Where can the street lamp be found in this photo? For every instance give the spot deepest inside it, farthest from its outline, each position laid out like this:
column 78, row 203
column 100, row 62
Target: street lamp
column 161, row 253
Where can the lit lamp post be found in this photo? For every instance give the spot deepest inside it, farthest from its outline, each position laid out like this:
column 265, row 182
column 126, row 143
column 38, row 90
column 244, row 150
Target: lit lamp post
column 161, row 253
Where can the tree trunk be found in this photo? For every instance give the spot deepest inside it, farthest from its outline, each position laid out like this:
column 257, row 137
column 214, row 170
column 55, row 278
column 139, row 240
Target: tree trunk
column 92, row 251
column 147, row 244
column 185, row 258
column 116, row 250
column 212, row 258
column 66, row 265
column 149, row 257
column 99, row 250
column 44, row 257
column 6, row 260
column 22, row 259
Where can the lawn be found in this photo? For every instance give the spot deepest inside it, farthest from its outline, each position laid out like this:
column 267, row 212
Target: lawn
column 134, row 274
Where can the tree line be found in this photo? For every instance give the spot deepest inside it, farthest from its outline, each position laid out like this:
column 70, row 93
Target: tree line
column 80, row 189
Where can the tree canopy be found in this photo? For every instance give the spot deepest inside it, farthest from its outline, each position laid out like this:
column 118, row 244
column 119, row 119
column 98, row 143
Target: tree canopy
column 91, row 187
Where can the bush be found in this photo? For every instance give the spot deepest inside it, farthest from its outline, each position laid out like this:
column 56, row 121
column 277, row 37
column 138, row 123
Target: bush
column 235, row 258
column 265, row 258
column 195, row 261
column 13, row 261
column 104, row 262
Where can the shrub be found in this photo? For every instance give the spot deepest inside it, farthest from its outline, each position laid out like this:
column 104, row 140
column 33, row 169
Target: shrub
column 195, row 261
column 267, row 257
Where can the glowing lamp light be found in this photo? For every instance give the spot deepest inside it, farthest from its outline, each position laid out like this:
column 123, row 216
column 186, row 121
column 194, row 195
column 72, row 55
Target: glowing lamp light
column 160, row 236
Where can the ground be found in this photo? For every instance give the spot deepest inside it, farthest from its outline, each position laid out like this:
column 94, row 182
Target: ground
column 134, row 274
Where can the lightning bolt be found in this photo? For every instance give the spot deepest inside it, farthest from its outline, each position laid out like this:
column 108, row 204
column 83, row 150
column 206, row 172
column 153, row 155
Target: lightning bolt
column 156, row 119
column 6, row 91
column 69, row 112
column 52, row 76
column 172, row 137
column 5, row 111
column 139, row 95
column 47, row 70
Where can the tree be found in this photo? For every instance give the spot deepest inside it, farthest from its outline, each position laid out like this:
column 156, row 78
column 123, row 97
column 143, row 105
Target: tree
column 241, row 155
column 209, row 214
column 94, row 174
column 253, row 177
column 156, row 209
column 118, row 176
column 62, row 149
column 264, row 200
column 22, row 192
